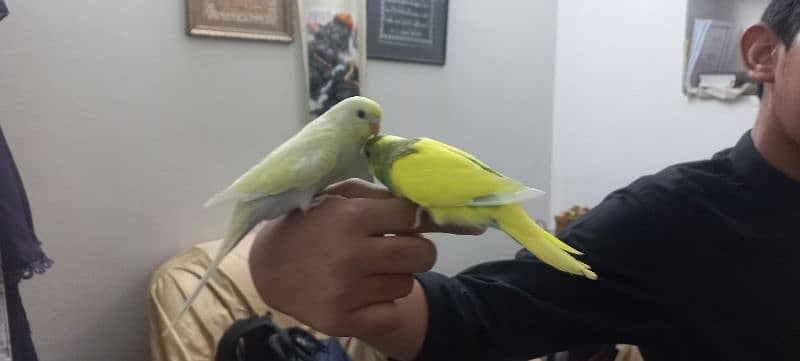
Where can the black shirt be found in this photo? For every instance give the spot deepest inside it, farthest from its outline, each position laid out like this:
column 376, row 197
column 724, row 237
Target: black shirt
column 700, row 261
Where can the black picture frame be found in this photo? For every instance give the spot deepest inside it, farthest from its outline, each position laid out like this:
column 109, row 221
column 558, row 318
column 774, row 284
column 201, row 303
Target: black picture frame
column 407, row 30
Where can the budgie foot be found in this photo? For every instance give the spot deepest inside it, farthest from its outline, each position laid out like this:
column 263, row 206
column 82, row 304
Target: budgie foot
column 418, row 218
column 317, row 201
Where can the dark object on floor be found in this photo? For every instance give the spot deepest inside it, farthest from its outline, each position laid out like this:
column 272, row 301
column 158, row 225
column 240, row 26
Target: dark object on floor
column 587, row 353
column 258, row 339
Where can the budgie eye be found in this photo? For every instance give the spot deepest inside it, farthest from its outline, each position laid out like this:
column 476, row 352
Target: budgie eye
column 361, row 114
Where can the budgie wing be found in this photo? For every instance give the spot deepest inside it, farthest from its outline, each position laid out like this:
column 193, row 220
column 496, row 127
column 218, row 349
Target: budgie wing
column 496, row 199
column 435, row 174
column 299, row 163
column 522, row 194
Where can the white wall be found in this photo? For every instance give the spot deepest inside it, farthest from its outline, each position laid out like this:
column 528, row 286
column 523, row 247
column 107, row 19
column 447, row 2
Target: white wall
column 619, row 112
column 122, row 127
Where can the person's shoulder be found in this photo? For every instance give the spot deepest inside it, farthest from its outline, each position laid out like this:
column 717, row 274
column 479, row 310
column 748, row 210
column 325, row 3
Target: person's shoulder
column 675, row 186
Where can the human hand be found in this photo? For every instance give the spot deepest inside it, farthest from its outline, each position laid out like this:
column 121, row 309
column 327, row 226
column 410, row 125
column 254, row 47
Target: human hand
column 341, row 267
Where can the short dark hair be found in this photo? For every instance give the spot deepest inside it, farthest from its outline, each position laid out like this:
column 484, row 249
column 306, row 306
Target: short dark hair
column 783, row 17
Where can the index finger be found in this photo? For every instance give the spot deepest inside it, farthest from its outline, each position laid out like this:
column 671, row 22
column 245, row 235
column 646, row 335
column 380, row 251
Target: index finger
column 397, row 216
column 428, row 226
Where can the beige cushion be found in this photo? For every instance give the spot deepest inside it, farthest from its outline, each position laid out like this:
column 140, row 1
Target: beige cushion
column 230, row 295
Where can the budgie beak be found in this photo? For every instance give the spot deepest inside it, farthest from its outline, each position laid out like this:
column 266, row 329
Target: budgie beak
column 375, row 125
column 373, row 140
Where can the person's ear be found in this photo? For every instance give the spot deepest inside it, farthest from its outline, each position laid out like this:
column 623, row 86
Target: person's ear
column 759, row 46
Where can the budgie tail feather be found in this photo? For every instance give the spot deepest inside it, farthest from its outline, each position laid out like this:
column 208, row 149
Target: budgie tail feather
column 513, row 220
column 246, row 215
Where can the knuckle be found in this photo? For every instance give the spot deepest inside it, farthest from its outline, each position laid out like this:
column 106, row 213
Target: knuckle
column 353, row 183
column 339, row 186
column 354, row 210
column 346, row 187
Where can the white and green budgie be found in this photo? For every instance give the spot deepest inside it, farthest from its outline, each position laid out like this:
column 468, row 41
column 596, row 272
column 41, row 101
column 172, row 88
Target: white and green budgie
column 292, row 175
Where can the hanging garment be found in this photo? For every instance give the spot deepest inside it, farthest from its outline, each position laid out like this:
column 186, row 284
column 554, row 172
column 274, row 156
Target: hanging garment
column 3, row 9
column 22, row 255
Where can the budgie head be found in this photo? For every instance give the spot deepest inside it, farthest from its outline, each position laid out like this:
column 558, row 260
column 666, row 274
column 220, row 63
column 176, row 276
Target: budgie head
column 362, row 115
column 382, row 150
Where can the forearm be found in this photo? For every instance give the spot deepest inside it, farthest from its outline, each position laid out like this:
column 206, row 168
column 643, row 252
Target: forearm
column 405, row 340
column 444, row 318
column 489, row 313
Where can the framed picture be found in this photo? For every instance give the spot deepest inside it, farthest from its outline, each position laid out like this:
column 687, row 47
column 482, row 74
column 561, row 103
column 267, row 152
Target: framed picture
column 269, row 20
column 407, row 30
column 332, row 38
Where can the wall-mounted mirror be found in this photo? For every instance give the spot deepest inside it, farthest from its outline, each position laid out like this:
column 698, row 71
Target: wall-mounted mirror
column 713, row 67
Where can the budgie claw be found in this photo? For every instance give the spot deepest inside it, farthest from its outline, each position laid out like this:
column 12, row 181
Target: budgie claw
column 417, row 218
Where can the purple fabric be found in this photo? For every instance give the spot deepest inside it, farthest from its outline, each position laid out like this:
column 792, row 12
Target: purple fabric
column 21, row 250
column 22, row 255
column 22, row 348
column 3, row 9
column 333, row 351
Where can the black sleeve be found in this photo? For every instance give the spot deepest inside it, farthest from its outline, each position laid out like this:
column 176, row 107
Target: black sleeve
column 522, row 308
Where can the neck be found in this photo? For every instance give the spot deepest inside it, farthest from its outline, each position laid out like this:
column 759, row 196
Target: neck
column 774, row 143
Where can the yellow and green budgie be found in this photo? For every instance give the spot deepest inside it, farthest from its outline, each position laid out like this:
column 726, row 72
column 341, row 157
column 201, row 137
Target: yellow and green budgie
column 456, row 188
column 290, row 177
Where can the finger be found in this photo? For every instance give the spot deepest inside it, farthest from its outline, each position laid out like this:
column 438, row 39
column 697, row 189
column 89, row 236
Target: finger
column 379, row 288
column 376, row 319
column 397, row 254
column 378, row 216
column 396, row 216
column 358, row 188
column 429, row 226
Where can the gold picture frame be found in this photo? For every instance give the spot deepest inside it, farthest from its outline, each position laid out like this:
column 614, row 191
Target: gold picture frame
column 266, row 20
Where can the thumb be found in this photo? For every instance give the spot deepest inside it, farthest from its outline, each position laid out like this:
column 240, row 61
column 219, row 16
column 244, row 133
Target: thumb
column 358, row 188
